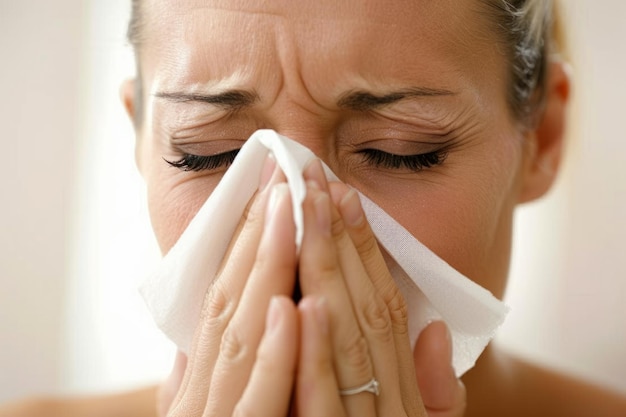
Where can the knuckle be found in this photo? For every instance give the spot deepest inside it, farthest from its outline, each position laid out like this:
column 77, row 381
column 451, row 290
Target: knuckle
column 356, row 354
column 233, row 348
column 366, row 244
column 337, row 226
column 320, row 279
column 398, row 311
column 218, row 305
column 318, row 272
column 377, row 320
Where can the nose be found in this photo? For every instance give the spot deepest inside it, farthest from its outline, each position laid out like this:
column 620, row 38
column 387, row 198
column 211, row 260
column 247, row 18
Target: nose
column 320, row 142
column 316, row 130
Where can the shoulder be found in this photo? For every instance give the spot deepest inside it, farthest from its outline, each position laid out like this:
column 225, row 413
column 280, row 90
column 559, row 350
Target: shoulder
column 506, row 385
column 139, row 403
column 31, row 408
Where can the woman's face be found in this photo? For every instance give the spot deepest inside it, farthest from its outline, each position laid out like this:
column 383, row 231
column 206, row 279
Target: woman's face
column 366, row 85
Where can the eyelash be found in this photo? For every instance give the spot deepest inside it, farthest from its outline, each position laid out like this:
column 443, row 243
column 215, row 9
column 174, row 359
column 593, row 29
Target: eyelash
column 375, row 157
column 414, row 163
column 201, row 163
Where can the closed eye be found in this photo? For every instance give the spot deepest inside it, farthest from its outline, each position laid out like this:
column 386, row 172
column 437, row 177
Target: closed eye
column 197, row 163
column 414, row 163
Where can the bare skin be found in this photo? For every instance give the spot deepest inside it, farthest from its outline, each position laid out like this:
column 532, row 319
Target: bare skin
column 502, row 384
column 403, row 78
column 138, row 403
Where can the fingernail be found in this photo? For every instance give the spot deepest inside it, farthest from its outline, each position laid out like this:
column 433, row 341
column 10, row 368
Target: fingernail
column 322, row 212
column 279, row 191
column 351, row 209
column 315, row 172
column 266, row 173
column 273, row 314
column 321, row 314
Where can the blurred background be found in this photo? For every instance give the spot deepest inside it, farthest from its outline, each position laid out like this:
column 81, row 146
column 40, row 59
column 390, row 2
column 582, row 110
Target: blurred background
column 75, row 238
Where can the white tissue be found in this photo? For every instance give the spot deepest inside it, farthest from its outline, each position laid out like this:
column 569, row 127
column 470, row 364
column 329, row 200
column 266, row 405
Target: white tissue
column 432, row 289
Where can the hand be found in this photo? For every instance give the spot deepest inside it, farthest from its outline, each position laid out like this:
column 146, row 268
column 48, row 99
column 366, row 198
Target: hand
column 365, row 333
column 230, row 370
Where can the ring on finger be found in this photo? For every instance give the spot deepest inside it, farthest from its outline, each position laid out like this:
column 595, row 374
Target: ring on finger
column 372, row 386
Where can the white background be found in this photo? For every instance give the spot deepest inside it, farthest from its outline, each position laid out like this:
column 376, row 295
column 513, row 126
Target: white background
column 75, row 239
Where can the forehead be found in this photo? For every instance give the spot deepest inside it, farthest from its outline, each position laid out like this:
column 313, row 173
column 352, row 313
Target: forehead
column 327, row 43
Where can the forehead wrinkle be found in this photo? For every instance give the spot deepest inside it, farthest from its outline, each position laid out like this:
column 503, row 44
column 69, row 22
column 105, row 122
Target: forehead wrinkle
column 251, row 12
column 308, row 83
column 181, row 84
column 284, row 9
column 364, row 100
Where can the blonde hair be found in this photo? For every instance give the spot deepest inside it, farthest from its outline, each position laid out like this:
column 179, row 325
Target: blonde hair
column 530, row 33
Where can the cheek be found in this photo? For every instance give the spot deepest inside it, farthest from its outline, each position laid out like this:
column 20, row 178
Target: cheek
column 465, row 219
column 462, row 226
column 453, row 222
column 173, row 200
column 174, row 196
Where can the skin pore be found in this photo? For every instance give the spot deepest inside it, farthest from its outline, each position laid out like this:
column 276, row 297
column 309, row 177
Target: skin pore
column 342, row 80
column 404, row 100
column 363, row 83
column 370, row 88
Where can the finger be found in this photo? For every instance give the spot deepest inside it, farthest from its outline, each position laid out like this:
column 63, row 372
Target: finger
column 385, row 292
column 222, row 299
column 239, row 258
column 268, row 392
column 370, row 308
column 442, row 392
column 273, row 273
column 321, row 275
column 317, row 392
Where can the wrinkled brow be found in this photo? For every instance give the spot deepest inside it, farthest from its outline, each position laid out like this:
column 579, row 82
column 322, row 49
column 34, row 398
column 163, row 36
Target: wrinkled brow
column 364, row 100
column 355, row 100
column 230, row 100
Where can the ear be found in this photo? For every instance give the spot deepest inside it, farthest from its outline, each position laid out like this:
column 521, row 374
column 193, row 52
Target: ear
column 127, row 95
column 545, row 150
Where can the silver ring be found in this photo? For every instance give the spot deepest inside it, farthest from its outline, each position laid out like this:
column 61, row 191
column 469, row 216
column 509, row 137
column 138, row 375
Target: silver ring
column 372, row 386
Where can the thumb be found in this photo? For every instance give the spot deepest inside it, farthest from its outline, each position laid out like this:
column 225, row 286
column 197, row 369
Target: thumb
column 442, row 392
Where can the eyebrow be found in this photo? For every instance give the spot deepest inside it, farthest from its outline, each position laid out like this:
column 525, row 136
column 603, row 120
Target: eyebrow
column 355, row 100
column 228, row 100
column 363, row 100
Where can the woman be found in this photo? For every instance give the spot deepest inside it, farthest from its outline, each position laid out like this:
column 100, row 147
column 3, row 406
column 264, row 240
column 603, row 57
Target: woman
column 447, row 114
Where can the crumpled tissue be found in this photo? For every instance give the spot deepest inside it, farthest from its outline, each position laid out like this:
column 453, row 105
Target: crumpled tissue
column 433, row 290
